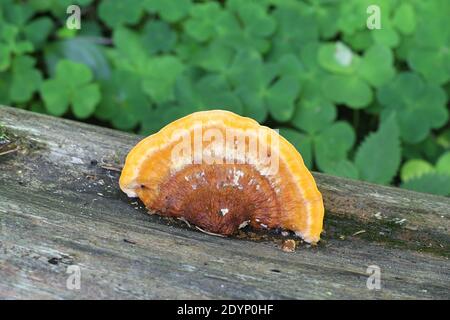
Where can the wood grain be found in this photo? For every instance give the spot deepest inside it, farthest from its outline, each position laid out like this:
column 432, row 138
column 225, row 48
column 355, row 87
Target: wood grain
column 60, row 205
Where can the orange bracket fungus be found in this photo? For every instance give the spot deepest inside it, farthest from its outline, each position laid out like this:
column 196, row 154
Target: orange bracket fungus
column 221, row 172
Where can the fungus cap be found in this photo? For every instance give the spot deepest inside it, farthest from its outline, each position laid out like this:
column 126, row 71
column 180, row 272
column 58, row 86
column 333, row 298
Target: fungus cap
column 221, row 171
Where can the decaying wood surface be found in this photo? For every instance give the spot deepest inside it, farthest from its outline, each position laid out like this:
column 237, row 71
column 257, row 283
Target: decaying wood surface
column 60, row 205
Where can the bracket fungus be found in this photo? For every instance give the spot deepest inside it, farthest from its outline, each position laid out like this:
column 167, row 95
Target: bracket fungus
column 220, row 171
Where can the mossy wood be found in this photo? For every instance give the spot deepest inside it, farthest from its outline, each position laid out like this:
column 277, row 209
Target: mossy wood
column 60, row 205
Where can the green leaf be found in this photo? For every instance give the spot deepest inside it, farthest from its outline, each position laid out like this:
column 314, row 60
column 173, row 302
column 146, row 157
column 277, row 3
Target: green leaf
column 16, row 13
column 429, row 52
column 332, row 145
column 245, row 26
column 85, row 100
column 215, row 57
column 9, row 44
column 168, row 10
column 281, row 97
column 71, row 85
column 157, row 36
column 123, row 100
column 377, row 65
column 295, row 29
column 337, row 58
column 378, row 157
column 129, row 53
column 82, row 50
column 119, row 12
column 415, row 168
column 434, row 183
column 202, row 22
column 386, row 36
column 360, row 40
column 38, row 30
column 56, row 97
column 419, row 106
column 443, row 163
column 343, row 168
column 432, row 63
column 301, row 142
column 405, row 18
column 314, row 115
column 213, row 92
column 160, row 76
column 349, row 90
column 57, row 7
column 26, row 79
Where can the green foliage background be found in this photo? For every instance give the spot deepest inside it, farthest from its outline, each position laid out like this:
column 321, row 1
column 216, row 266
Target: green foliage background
column 359, row 103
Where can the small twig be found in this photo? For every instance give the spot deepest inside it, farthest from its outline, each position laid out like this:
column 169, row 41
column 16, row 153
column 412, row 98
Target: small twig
column 2, row 153
column 110, row 167
column 358, row 232
column 185, row 221
column 210, row 233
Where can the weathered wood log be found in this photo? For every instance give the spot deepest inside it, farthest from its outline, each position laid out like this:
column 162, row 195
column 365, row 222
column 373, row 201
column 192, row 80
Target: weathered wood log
column 60, row 205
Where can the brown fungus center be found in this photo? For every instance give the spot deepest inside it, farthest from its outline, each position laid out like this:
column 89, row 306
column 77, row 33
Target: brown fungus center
column 220, row 197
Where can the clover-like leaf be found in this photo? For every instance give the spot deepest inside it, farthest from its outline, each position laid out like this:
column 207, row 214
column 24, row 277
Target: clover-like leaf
column 214, row 92
column 203, row 19
column 157, row 36
column 10, row 44
column 343, row 168
column 360, row 40
column 160, row 76
column 326, row 13
column 419, row 106
column 377, row 65
column 349, row 90
column 251, row 79
column 71, row 86
column 432, row 63
column 405, row 18
column 129, row 52
column 168, row 10
column 215, row 57
column 443, row 163
column 378, row 157
column 209, row 92
column 281, row 96
column 337, row 58
column 414, row 168
column 246, row 25
column 119, row 12
column 332, row 145
column 386, row 36
column 314, row 115
column 295, row 28
column 301, row 142
column 353, row 14
column 431, row 182
column 26, row 79
column 264, row 87
column 79, row 49
column 123, row 100
column 38, row 30
column 56, row 7
column 429, row 52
